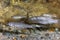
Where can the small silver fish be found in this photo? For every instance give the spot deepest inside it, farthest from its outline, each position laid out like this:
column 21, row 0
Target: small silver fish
column 49, row 15
column 21, row 25
column 18, row 17
column 43, row 20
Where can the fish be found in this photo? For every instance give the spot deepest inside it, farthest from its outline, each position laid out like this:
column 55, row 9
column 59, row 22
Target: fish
column 49, row 15
column 43, row 20
column 18, row 17
column 21, row 25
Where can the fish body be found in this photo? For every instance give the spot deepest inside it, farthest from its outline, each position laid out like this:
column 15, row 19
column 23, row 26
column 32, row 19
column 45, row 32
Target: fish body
column 21, row 25
column 49, row 15
column 43, row 20
column 18, row 17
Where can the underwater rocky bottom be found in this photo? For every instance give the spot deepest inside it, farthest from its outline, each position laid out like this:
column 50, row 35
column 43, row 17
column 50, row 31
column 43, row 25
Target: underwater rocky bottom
column 37, row 35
